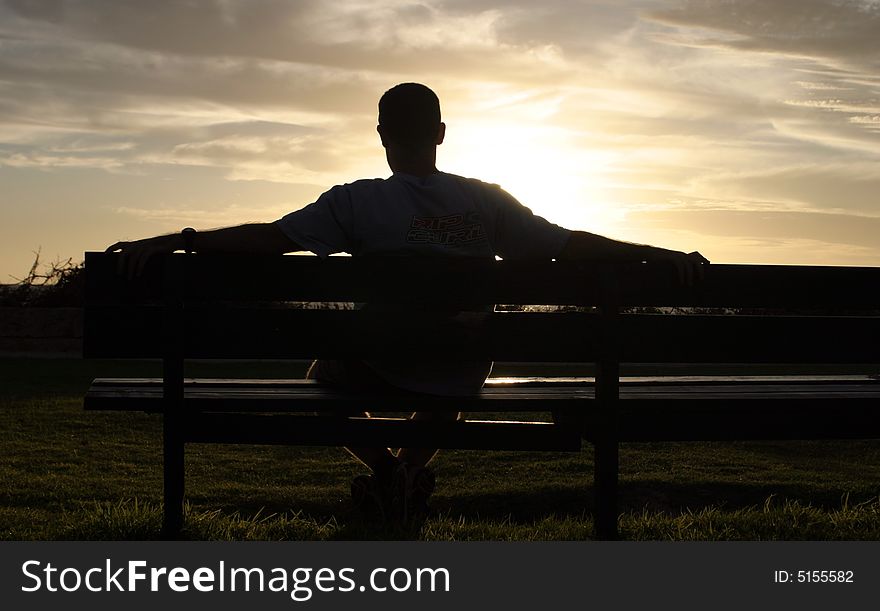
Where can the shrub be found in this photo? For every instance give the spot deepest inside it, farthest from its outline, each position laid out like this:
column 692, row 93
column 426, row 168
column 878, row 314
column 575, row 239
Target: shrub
column 60, row 283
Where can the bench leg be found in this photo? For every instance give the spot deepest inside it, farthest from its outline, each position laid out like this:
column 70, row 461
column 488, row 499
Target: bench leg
column 172, row 477
column 605, row 465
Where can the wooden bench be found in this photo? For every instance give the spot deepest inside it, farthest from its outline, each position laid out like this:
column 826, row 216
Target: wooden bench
column 250, row 307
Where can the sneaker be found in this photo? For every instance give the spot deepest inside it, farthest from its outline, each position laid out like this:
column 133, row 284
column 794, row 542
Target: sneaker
column 410, row 490
column 421, row 487
column 398, row 493
column 368, row 497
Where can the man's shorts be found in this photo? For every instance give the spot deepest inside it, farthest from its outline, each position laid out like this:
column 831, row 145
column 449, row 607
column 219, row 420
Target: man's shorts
column 352, row 375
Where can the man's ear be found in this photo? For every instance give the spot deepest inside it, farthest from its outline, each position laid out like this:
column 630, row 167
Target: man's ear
column 441, row 133
column 381, row 135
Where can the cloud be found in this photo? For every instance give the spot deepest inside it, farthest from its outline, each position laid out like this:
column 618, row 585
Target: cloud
column 577, row 28
column 162, row 75
column 37, row 160
column 870, row 121
column 843, row 32
column 768, row 225
column 828, row 50
column 222, row 216
column 835, row 189
column 387, row 38
column 122, row 77
column 161, row 78
column 254, row 150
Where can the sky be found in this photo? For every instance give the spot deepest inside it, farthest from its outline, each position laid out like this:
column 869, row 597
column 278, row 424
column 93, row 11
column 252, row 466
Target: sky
column 746, row 129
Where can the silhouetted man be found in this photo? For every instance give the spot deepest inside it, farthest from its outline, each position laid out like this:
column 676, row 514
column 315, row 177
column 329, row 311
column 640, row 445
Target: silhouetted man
column 417, row 211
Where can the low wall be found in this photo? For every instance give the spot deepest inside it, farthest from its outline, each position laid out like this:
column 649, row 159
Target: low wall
column 41, row 331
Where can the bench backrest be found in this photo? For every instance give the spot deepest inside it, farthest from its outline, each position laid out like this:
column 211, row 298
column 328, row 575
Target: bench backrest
column 222, row 306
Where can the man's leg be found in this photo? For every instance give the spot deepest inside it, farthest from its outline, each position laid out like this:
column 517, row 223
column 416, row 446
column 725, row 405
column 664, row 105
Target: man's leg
column 404, row 476
column 419, row 457
column 415, row 478
column 380, row 461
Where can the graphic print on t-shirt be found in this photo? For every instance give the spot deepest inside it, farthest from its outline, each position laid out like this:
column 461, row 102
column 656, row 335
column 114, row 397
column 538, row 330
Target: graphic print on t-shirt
column 449, row 230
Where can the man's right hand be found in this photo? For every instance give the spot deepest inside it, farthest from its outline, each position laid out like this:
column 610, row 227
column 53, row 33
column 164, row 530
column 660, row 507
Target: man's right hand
column 589, row 247
column 134, row 255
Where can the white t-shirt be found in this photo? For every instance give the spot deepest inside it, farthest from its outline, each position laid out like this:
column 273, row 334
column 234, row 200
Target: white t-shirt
column 438, row 215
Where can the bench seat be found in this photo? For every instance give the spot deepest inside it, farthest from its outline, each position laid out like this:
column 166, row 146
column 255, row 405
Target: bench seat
column 679, row 408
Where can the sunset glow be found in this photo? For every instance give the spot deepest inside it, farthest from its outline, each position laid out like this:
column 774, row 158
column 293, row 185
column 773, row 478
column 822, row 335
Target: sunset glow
column 746, row 129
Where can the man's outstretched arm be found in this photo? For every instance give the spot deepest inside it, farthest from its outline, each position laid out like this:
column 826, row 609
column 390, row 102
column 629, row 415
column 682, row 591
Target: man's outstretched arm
column 255, row 238
column 584, row 246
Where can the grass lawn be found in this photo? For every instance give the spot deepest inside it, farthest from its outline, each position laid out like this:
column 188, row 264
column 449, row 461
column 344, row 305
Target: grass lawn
column 68, row 474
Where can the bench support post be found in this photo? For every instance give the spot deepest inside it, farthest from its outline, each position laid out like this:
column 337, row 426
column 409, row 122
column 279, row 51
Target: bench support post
column 173, row 412
column 172, row 451
column 172, row 454
column 173, row 480
column 606, row 460
column 605, row 448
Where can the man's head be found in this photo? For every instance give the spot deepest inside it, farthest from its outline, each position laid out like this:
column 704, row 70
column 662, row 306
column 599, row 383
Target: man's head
column 409, row 118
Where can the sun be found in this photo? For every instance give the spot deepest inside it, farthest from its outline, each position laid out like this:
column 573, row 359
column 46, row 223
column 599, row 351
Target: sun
column 538, row 165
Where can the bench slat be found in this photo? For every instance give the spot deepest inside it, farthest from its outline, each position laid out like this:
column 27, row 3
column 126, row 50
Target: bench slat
column 649, row 410
column 306, row 395
column 645, row 394
column 697, row 381
column 394, row 432
column 389, row 279
column 252, row 332
column 748, row 419
column 278, row 333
